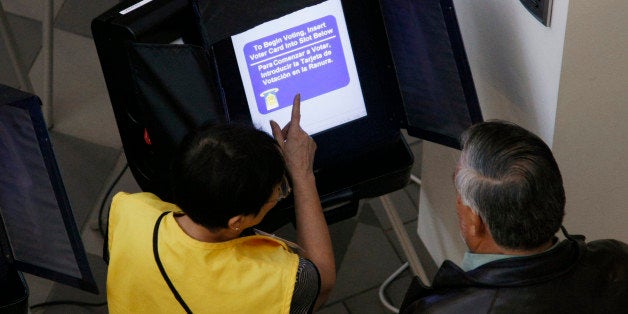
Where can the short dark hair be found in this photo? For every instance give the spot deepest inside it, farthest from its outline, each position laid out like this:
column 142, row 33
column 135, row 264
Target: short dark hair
column 510, row 178
column 222, row 171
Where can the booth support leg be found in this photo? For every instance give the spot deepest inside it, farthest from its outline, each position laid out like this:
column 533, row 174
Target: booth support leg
column 404, row 239
column 406, row 246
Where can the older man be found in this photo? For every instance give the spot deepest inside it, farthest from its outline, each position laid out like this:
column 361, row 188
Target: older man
column 510, row 203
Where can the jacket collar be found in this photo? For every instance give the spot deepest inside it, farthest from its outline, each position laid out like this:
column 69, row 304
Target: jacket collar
column 516, row 271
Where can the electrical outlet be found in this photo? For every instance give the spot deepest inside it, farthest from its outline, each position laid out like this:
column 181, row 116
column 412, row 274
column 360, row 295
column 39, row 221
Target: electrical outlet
column 540, row 9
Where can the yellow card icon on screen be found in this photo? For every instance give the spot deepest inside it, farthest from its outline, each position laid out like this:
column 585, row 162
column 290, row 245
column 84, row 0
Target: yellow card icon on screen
column 270, row 98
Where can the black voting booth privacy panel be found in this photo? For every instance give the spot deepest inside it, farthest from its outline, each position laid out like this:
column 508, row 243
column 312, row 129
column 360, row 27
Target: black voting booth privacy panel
column 38, row 233
column 434, row 76
column 168, row 70
column 148, row 80
column 152, row 121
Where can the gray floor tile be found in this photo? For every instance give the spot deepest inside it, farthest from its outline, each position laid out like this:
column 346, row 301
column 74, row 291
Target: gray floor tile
column 417, row 151
column 370, row 301
column 92, row 235
column 62, row 292
column 404, row 204
column 412, row 191
column 368, row 253
column 340, row 233
column 75, row 16
column 367, row 302
column 27, row 33
column 84, row 167
column 429, row 266
column 81, row 105
column 396, row 290
column 410, row 228
column 94, row 230
column 367, row 216
column 127, row 184
column 93, row 241
column 43, row 290
column 337, row 308
column 38, row 288
column 33, row 9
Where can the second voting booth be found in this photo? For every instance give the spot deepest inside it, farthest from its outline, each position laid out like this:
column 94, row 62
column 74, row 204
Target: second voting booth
column 38, row 231
column 364, row 69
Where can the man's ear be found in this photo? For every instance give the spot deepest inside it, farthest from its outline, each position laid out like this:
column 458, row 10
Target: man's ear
column 235, row 222
column 475, row 222
column 471, row 221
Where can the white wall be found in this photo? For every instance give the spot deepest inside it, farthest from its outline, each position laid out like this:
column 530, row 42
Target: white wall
column 516, row 64
column 515, row 60
column 591, row 138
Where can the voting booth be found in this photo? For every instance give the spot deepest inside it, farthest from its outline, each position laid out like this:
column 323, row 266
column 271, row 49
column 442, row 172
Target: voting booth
column 38, row 233
column 172, row 65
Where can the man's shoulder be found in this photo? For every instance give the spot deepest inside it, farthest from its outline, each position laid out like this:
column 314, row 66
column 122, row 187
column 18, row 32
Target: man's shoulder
column 561, row 273
column 608, row 246
column 450, row 299
column 607, row 256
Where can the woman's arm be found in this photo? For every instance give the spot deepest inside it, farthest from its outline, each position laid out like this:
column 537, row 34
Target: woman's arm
column 312, row 232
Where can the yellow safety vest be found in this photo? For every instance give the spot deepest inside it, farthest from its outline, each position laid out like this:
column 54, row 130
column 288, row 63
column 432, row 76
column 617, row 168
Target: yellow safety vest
column 253, row 274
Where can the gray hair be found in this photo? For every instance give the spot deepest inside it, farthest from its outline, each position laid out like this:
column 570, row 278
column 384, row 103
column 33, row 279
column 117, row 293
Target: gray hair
column 509, row 177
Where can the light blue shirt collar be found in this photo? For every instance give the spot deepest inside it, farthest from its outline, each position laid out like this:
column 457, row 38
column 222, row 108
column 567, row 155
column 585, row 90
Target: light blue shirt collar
column 471, row 261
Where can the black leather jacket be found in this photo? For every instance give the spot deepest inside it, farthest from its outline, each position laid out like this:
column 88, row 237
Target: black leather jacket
column 573, row 277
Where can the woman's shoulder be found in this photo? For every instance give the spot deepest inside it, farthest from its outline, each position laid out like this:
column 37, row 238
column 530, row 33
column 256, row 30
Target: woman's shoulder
column 141, row 200
column 140, row 197
column 264, row 241
column 137, row 206
column 268, row 248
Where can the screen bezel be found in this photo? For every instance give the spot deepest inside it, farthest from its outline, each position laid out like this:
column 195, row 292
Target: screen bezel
column 377, row 79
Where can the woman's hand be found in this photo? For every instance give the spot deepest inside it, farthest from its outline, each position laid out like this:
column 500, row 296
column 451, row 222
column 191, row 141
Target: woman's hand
column 298, row 147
